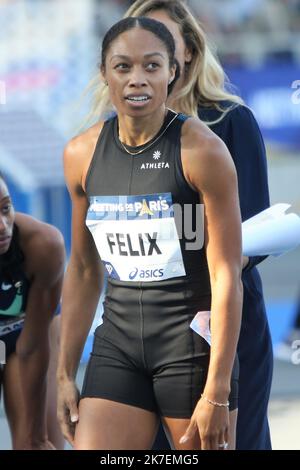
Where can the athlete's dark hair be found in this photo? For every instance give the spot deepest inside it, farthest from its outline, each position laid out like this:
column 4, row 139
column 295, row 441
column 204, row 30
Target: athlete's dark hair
column 155, row 27
column 12, row 260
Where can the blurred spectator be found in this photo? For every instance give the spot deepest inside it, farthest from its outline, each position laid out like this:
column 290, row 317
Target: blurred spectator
column 269, row 25
column 284, row 350
column 245, row 31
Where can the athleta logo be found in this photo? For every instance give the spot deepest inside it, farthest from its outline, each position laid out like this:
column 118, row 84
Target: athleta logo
column 146, row 273
column 155, row 166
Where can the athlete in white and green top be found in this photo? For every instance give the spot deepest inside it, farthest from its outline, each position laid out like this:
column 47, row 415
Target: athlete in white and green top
column 31, row 272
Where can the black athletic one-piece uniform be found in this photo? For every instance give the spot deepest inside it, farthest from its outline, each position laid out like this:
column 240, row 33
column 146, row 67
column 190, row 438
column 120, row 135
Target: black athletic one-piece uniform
column 14, row 292
column 145, row 353
column 13, row 300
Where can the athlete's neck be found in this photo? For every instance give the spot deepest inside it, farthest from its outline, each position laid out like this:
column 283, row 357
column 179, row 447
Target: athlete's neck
column 139, row 130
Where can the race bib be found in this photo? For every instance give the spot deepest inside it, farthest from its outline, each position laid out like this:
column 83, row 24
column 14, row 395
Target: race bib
column 136, row 236
column 11, row 325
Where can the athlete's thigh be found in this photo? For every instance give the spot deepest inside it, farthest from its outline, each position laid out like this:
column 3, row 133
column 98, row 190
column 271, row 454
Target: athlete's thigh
column 109, row 425
column 175, row 429
column 13, row 397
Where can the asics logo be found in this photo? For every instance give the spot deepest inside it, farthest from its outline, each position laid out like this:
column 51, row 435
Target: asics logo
column 133, row 273
column 146, row 273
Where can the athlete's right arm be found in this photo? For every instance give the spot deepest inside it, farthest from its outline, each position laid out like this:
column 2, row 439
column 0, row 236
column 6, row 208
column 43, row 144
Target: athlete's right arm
column 81, row 289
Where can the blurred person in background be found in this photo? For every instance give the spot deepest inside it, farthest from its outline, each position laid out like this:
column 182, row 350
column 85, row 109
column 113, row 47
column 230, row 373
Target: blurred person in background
column 32, row 258
column 284, row 350
column 201, row 91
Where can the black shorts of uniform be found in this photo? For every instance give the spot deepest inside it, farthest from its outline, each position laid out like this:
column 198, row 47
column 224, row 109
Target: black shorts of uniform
column 10, row 341
column 146, row 355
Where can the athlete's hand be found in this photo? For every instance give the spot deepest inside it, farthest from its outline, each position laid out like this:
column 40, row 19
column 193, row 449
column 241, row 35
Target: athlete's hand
column 67, row 408
column 212, row 424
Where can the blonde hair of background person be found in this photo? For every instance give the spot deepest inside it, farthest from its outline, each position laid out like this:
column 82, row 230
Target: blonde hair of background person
column 203, row 82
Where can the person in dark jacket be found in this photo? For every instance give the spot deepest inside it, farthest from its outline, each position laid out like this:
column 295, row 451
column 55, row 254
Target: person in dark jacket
column 239, row 130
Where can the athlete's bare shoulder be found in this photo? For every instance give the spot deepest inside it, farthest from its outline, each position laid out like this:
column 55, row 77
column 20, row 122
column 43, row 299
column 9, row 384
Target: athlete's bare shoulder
column 32, row 229
column 84, row 142
column 79, row 152
column 195, row 133
column 42, row 244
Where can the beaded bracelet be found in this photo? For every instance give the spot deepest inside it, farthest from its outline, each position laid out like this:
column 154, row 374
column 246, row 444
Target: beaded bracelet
column 215, row 403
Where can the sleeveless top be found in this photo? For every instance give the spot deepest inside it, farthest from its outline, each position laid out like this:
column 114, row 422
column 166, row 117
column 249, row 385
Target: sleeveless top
column 146, row 220
column 13, row 300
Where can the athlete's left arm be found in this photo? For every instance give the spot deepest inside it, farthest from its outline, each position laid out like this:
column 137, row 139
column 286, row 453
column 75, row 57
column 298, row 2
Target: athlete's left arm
column 46, row 257
column 211, row 172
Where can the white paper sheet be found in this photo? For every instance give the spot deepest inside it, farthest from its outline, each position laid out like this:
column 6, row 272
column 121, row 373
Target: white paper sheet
column 200, row 324
column 271, row 232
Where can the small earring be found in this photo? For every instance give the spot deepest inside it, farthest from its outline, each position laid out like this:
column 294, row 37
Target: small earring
column 170, row 81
